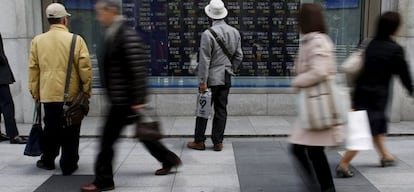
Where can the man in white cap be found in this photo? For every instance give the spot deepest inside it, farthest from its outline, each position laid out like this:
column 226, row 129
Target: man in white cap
column 49, row 55
column 220, row 56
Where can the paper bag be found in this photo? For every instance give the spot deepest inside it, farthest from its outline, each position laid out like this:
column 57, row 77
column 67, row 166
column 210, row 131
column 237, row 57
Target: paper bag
column 358, row 132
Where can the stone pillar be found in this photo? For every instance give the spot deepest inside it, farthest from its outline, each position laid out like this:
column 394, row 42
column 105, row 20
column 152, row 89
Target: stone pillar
column 20, row 21
column 406, row 39
column 389, row 5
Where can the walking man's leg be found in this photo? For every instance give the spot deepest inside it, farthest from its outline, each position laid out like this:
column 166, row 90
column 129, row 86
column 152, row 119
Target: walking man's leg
column 111, row 131
column 168, row 158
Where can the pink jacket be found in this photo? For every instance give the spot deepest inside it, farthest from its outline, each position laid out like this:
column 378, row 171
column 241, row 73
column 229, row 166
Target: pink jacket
column 315, row 61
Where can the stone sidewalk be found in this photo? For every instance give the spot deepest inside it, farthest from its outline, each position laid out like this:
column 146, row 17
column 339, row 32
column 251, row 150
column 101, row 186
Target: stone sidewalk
column 255, row 159
column 245, row 165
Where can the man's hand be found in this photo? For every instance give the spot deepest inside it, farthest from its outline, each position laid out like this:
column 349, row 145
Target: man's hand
column 137, row 107
column 202, row 87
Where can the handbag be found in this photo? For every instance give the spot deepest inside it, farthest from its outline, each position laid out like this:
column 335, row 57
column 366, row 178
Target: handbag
column 34, row 143
column 358, row 135
column 148, row 126
column 203, row 105
column 352, row 66
column 75, row 112
column 323, row 106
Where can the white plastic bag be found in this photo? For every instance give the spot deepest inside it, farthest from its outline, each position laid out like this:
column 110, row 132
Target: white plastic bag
column 358, row 136
column 203, row 108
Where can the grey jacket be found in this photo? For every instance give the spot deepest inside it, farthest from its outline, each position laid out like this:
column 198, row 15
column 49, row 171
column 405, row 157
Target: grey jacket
column 213, row 62
column 6, row 75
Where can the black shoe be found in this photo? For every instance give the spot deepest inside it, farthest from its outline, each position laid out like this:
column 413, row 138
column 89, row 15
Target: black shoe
column 40, row 164
column 387, row 162
column 4, row 137
column 18, row 140
column 342, row 173
column 69, row 171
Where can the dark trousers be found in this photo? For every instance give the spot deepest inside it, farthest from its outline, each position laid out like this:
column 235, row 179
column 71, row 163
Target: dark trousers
column 56, row 136
column 219, row 100
column 313, row 160
column 116, row 121
column 7, row 109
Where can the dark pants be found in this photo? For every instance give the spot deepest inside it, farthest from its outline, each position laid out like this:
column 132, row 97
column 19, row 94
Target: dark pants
column 116, row 121
column 7, row 108
column 219, row 100
column 313, row 160
column 56, row 136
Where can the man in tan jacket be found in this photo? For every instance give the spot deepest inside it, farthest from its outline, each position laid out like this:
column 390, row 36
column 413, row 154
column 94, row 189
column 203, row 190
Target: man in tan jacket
column 49, row 55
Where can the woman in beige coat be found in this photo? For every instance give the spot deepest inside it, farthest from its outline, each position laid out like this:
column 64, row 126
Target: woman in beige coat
column 314, row 63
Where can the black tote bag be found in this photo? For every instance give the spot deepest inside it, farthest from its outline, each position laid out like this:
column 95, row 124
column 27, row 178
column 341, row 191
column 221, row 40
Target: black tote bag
column 33, row 147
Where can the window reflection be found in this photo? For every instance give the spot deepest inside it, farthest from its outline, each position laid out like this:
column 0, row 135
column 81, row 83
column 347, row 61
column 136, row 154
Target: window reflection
column 172, row 31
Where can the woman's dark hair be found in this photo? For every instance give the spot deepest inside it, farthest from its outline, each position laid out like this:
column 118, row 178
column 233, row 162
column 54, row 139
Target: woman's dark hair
column 388, row 24
column 311, row 18
column 54, row 20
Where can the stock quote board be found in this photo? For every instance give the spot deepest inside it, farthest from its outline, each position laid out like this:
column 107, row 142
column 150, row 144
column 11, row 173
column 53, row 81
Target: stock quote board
column 172, row 31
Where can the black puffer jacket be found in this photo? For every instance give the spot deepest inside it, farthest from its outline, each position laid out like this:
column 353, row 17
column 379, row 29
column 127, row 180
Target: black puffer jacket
column 124, row 68
column 6, row 75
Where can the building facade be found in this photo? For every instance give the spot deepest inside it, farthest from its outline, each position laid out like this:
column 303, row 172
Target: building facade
column 172, row 29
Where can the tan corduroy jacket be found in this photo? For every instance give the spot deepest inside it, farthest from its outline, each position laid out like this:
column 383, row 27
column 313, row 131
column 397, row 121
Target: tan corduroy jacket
column 49, row 54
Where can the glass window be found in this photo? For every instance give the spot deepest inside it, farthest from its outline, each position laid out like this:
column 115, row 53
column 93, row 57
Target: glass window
column 82, row 21
column 172, row 29
column 344, row 21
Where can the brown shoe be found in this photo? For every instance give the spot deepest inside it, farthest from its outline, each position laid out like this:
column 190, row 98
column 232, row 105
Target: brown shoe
column 218, row 147
column 165, row 170
column 196, row 145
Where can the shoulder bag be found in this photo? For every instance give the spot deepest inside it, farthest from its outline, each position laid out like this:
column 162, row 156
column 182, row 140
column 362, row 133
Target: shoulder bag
column 322, row 106
column 354, row 63
column 352, row 66
column 75, row 112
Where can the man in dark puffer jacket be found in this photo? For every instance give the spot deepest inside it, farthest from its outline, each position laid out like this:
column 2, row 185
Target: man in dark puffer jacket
column 123, row 72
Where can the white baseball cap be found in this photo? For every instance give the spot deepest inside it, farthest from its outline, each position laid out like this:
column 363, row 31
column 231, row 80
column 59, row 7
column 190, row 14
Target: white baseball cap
column 216, row 9
column 56, row 10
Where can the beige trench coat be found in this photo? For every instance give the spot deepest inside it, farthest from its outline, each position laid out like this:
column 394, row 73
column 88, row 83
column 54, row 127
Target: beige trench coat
column 315, row 61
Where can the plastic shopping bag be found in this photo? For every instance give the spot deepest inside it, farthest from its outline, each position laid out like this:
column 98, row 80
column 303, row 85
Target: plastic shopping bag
column 203, row 108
